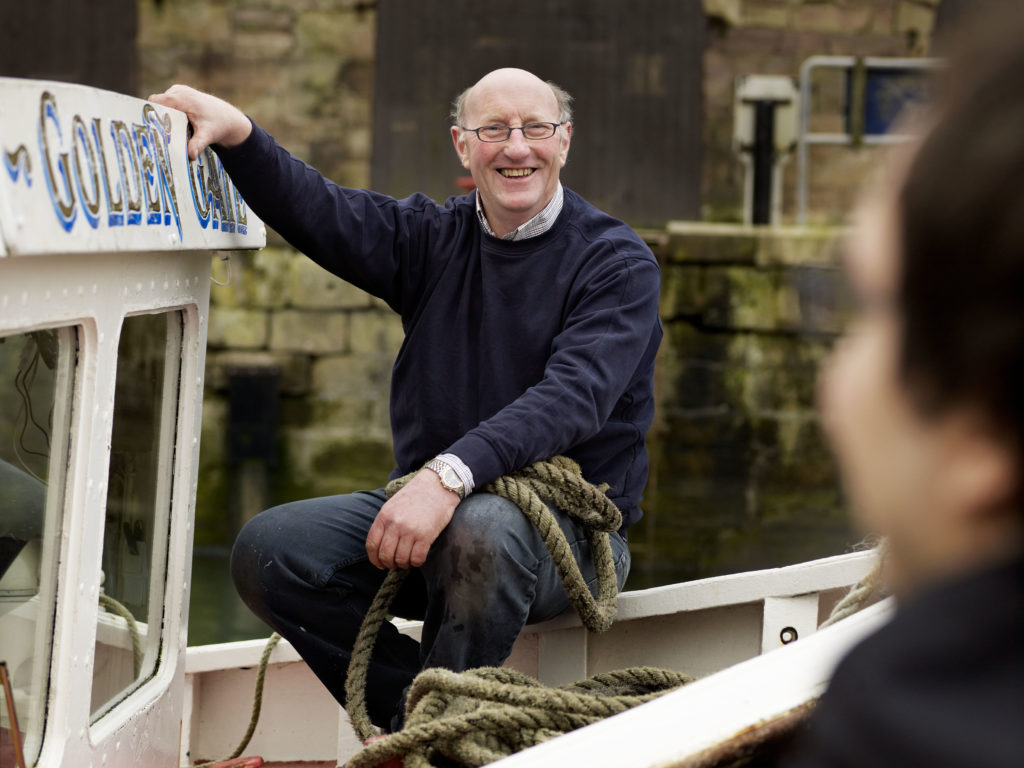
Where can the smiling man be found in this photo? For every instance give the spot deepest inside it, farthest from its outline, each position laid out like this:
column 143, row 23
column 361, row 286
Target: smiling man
column 531, row 327
column 515, row 169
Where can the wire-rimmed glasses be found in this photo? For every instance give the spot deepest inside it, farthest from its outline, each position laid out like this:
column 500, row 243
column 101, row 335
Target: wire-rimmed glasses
column 498, row 132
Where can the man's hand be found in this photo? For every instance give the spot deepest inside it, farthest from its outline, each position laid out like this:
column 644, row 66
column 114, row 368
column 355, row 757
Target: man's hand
column 410, row 521
column 214, row 121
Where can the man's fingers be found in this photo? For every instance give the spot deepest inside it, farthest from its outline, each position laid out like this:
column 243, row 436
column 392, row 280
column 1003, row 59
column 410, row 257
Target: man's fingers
column 403, row 554
column 387, row 550
column 418, row 555
column 373, row 543
column 199, row 141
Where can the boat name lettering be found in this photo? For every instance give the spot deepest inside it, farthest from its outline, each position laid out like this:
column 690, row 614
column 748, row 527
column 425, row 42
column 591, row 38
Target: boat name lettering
column 115, row 173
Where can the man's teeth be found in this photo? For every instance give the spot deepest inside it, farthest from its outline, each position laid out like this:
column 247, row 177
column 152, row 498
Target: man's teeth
column 514, row 172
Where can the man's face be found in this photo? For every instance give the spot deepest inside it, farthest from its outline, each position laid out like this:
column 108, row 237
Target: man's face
column 515, row 178
column 870, row 421
column 912, row 477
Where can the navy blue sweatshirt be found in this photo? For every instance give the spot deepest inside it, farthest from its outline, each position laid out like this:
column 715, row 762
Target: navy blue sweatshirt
column 514, row 351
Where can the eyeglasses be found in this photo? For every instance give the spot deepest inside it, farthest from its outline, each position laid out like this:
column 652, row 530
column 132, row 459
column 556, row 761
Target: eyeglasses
column 498, row 132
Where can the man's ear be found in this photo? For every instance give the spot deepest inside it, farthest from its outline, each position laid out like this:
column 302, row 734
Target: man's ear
column 981, row 475
column 459, row 140
column 566, row 133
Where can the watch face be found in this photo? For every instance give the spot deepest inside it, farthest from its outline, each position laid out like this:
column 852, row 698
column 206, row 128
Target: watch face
column 450, row 479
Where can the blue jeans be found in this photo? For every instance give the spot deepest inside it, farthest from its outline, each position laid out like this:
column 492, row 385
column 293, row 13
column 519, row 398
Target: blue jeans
column 302, row 568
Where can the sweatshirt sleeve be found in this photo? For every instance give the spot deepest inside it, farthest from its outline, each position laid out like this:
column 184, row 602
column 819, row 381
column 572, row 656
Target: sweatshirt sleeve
column 606, row 337
column 363, row 237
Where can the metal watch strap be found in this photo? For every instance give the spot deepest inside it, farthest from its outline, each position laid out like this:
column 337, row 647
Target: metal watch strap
column 441, row 468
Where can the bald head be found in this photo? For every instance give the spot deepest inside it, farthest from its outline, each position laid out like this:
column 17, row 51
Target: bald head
column 511, row 80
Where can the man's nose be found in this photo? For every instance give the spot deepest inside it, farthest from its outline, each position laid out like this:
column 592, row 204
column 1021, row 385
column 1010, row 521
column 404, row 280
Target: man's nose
column 517, row 145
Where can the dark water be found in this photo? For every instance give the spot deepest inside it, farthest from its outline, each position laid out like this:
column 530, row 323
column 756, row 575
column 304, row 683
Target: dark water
column 216, row 613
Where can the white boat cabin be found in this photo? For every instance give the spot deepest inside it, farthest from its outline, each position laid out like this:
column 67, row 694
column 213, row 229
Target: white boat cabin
column 106, row 232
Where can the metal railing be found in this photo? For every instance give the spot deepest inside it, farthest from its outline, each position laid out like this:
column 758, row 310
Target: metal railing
column 857, row 134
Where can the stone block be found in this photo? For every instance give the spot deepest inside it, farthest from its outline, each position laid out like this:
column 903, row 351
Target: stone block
column 294, row 369
column 883, row 20
column 832, row 18
column 356, row 414
column 262, row 18
column 804, row 300
column 263, row 43
column 253, row 280
column 334, row 33
column 324, row 463
column 306, row 331
column 764, row 13
column 795, row 475
column 742, row 298
column 188, row 23
column 376, row 334
column 357, row 376
column 313, row 287
column 711, row 243
column 682, row 291
column 238, row 328
column 801, row 246
column 781, row 372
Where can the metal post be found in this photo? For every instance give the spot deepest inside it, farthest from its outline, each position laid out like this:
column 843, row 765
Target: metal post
column 763, row 160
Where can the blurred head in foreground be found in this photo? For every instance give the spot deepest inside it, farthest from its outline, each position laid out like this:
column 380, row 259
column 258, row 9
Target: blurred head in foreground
column 924, row 398
column 924, row 405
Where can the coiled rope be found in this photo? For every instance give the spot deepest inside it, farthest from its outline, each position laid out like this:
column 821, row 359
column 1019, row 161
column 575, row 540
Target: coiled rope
column 863, row 593
column 111, row 605
column 481, row 715
column 257, row 704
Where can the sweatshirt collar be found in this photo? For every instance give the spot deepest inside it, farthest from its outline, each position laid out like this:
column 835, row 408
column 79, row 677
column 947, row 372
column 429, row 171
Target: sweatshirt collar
column 538, row 225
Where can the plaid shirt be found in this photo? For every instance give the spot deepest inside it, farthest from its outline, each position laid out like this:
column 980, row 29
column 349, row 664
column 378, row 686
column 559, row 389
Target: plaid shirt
column 538, row 225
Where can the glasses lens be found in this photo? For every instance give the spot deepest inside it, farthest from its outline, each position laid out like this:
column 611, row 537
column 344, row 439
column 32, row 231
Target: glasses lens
column 493, row 132
column 539, row 130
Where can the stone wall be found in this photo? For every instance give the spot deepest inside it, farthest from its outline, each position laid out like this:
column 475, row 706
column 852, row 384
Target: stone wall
column 304, row 70
column 740, row 476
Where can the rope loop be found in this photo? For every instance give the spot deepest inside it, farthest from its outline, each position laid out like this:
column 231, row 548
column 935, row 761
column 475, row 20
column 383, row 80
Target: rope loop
column 481, row 715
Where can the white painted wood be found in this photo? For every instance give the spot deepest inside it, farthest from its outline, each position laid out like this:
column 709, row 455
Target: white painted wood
column 188, row 714
column 87, row 171
column 299, row 719
column 67, row 261
column 348, row 741
column 562, row 656
column 787, row 619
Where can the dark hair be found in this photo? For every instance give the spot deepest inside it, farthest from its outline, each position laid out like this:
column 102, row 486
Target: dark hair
column 961, row 291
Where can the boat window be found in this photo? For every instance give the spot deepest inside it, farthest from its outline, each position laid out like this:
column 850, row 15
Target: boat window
column 128, row 634
column 36, row 376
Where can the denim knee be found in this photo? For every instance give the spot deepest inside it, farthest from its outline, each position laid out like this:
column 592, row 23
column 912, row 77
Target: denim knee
column 487, row 538
column 252, row 548
column 494, row 525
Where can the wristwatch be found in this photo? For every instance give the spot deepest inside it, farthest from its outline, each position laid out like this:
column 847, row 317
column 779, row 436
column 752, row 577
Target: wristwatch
column 449, row 477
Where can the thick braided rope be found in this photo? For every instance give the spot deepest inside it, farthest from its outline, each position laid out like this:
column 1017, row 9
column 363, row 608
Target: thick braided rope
column 558, row 482
column 482, row 715
column 861, row 594
column 359, row 664
column 257, row 702
column 118, row 609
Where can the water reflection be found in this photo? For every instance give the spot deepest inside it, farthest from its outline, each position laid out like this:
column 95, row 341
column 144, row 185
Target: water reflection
column 216, row 612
